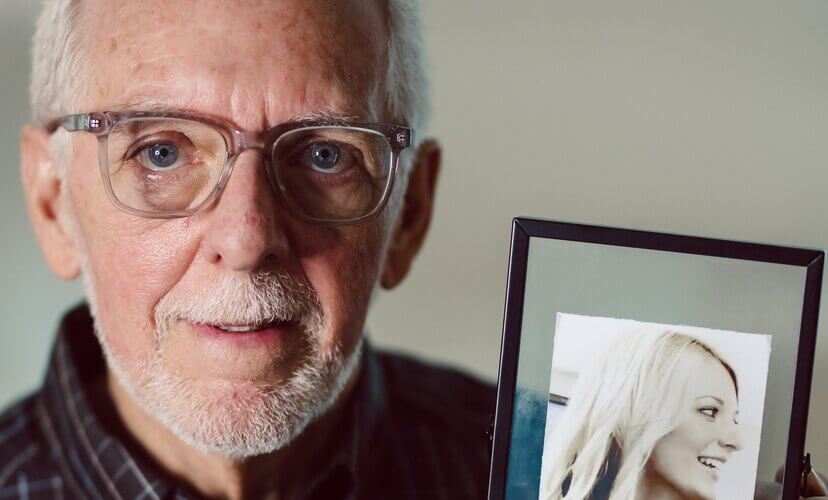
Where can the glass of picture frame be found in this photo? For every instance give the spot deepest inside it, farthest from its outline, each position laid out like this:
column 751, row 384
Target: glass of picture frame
column 634, row 360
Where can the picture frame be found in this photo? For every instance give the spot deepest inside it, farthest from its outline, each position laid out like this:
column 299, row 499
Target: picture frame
column 583, row 262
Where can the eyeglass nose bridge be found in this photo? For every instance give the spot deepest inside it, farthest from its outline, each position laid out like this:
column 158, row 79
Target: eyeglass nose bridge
column 241, row 142
column 249, row 140
column 244, row 140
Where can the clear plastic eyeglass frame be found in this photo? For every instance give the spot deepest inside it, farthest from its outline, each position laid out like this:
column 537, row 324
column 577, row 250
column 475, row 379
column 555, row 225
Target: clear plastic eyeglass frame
column 236, row 141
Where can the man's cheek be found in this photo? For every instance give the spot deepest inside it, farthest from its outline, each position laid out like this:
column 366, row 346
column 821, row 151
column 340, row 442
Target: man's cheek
column 124, row 308
column 343, row 278
column 132, row 275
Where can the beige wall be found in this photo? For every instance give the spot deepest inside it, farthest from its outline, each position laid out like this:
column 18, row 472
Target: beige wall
column 705, row 117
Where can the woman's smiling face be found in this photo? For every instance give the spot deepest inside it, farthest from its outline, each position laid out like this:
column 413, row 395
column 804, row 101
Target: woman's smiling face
column 689, row 458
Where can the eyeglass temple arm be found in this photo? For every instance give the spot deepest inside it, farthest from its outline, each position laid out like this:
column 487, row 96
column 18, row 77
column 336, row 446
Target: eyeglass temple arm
column 86, row 122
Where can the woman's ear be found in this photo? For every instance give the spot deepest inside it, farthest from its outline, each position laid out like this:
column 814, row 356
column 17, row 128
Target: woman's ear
column 415, row 214
column 41, row 188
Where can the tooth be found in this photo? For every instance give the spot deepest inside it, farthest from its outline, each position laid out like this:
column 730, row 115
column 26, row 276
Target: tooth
column 231, row 328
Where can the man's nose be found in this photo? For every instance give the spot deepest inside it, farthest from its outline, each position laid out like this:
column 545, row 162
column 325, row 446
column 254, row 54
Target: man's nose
column 246, row 225
column 731, row 438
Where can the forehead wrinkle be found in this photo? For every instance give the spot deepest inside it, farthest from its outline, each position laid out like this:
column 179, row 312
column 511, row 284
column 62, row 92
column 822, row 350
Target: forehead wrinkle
column 144, row 102
column 251, row 80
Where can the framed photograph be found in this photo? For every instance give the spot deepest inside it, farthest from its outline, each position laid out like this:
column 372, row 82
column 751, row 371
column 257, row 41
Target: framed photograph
column 635, row 364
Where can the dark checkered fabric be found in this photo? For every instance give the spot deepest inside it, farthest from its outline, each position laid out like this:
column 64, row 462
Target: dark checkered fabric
column 411, row 431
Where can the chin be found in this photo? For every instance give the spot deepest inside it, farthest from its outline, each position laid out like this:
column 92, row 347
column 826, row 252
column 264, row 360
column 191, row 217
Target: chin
column 239, row 419
column 708, row 494
column 232, row 420
column 701, row 491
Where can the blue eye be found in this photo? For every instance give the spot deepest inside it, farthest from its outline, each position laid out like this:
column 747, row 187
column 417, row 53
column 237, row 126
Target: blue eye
column 323, row 157
column 160, row 156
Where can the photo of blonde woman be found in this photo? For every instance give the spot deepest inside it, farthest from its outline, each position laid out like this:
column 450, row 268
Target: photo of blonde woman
column 656, row 416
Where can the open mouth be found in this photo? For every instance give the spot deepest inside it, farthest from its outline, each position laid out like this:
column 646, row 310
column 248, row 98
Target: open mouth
column 713, row 463
column 266, row 333
column 249, row 328
column 241, row 328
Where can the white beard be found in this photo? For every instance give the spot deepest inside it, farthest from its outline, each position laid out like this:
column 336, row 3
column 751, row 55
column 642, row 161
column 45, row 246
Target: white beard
column 233, row 419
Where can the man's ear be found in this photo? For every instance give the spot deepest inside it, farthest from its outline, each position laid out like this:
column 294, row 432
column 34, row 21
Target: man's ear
column 415, row 214
column 41, row 187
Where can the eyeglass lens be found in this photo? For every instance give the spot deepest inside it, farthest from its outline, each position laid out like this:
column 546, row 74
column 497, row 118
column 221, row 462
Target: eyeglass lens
column 168, row 166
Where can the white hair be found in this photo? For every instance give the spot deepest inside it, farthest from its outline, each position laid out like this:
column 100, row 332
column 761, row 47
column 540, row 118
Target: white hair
column 407, row 79
column 58, row 59
column 630, row 399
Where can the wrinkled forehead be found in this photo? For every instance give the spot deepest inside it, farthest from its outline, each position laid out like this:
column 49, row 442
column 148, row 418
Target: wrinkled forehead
column 254, row 61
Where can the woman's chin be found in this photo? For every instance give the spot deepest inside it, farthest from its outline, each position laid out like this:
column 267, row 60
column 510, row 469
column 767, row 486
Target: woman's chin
column 702, row 491
column 685, row 487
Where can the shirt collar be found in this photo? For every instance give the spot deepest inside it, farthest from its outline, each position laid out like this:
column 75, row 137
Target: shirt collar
column 104, row 466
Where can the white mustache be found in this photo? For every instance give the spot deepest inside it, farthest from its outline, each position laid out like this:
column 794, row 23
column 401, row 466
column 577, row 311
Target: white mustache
column 241, row 300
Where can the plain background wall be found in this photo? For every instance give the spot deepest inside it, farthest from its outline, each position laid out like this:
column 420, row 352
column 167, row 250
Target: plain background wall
column 707, row 118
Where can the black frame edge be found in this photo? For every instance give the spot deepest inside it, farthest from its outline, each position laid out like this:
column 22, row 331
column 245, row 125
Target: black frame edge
column 803, row 378
column 667, row 242
column 509, row 349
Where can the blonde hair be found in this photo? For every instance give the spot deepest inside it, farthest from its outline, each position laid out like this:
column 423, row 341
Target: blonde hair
column 631, row 399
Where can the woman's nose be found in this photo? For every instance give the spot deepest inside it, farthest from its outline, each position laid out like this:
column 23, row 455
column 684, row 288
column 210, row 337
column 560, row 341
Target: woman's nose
column 731, row 438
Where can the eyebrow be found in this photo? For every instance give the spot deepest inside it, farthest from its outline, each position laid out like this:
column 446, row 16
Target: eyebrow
column 719, row 400
column 328, row 115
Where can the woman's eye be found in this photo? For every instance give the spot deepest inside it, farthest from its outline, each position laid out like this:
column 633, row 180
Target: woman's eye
column 710, row 411
column 326, row 157
column 160, row 156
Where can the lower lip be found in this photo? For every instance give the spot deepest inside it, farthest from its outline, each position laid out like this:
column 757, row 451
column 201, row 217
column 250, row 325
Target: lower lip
column 267, row 336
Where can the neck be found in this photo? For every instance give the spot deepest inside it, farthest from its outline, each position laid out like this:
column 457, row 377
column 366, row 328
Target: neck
column 275, row 476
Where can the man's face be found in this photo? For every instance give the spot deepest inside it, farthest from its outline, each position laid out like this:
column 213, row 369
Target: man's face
column 255, row 65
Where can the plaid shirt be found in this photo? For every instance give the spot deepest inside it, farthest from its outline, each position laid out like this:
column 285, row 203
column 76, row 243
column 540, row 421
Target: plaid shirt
column 411, row 431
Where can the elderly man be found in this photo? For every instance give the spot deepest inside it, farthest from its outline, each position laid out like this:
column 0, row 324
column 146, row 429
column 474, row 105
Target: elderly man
column 233, row 180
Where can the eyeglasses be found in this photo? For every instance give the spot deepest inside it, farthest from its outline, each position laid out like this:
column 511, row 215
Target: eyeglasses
column 168, row 165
